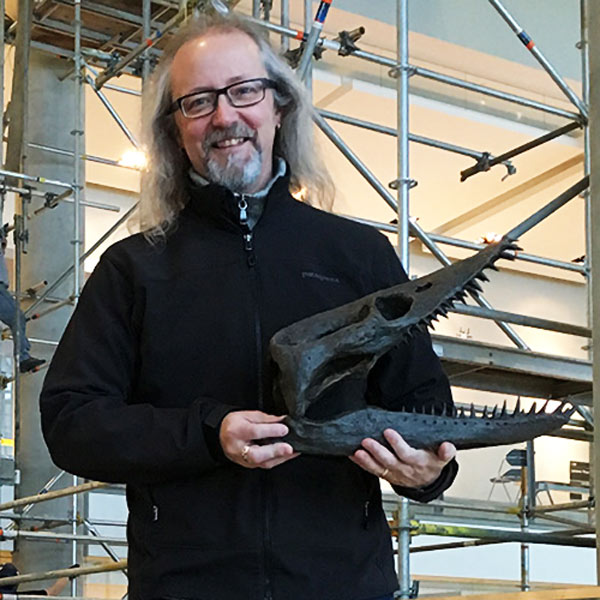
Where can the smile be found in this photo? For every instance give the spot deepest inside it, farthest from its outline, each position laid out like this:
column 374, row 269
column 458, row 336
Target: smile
column 230, row 142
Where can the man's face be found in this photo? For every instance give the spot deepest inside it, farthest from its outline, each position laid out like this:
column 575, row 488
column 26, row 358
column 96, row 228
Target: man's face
column 232, row 146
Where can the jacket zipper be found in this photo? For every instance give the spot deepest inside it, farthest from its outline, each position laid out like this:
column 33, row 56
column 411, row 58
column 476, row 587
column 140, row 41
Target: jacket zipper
column 248, row 237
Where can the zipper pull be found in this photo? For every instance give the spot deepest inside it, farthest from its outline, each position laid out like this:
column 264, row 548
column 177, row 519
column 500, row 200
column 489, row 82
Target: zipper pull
column 243, row 208
column 154, row 513
column 248, row 242
column 366, row 515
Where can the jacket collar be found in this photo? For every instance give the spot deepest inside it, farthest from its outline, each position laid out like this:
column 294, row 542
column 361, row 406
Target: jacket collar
column 207, row 199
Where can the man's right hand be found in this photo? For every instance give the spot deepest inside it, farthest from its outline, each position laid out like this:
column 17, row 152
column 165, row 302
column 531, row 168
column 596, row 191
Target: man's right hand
column 240, row 432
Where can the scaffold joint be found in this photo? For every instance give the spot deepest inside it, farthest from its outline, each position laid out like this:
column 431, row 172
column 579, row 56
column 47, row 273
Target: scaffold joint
column 348, row 39
column 396, row 183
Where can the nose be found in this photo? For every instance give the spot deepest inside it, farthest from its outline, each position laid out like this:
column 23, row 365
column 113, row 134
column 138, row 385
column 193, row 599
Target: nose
column 224, row 114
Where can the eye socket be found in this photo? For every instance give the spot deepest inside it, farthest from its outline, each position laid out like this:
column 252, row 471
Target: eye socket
column 246, row 92
column 198, row 102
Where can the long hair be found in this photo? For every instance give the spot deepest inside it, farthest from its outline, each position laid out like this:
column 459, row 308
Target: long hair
column 165, row 187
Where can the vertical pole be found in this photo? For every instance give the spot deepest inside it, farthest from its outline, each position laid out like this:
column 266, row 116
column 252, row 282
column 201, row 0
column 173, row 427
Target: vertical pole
column 307, row 24
column 593, row 13
column 78, row 185
column 285, row 22
column 403, row 181
column 18, row 105
column 585, row 89
column 403, row 554
column 2, row 8
column 256, row 9
column 146, row 32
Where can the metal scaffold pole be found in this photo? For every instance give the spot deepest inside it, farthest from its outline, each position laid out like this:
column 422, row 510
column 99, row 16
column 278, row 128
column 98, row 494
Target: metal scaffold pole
column 403, row 183
column 593, row 12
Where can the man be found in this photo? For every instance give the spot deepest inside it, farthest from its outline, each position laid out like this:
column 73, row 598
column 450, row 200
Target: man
column 162, row 379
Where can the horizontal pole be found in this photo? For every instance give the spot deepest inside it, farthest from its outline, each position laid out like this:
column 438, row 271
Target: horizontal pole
column 488, row 91
column 442, row 239
column 517, row 319
column 67, row 491
column 58, row 573
column 553, row 539
column 394, row 133
column 490, row 162
column 65, row 537
column 37, row 179
column 426, row 73
column 451, row 545
column 563, row 506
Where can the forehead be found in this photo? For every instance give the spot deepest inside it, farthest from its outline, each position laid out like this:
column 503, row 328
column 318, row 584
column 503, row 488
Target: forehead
column 215, row 60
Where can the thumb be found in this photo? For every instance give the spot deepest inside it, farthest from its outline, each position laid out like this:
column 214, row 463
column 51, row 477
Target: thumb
column 446, row 452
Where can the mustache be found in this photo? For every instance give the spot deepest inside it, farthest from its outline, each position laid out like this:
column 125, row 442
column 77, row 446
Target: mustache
column 235, row 130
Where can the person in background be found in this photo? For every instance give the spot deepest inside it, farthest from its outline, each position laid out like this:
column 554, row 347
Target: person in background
column 8, row 315
column 10, row 570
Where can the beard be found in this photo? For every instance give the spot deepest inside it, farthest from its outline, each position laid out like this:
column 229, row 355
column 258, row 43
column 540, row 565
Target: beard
column 237, row 173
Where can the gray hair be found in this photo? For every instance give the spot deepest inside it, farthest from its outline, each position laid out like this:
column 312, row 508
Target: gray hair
column 164, row 191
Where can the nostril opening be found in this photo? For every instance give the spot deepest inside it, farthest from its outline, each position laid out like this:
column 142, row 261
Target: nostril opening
column 393, row 307
column 423, row 287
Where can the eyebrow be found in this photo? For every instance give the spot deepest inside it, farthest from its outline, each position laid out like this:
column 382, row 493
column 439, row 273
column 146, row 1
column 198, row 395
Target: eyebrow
column 229, row 81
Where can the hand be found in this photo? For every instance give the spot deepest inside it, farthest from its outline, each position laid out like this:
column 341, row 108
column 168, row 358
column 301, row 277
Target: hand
column 241, row 429
column 405, row 465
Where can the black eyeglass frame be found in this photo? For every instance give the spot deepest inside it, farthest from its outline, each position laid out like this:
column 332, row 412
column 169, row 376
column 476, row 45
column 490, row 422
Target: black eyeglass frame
column 265, row 81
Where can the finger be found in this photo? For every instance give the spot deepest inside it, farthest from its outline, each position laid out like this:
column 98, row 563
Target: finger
column 260, row 431
column 382, row 454
column 257, row 455
column 366, row 461
column 446, row 452
column 403, row 451
column 257, row 416
column 278, row 461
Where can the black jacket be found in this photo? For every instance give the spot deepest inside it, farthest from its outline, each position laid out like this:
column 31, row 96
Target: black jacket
column 168, row 339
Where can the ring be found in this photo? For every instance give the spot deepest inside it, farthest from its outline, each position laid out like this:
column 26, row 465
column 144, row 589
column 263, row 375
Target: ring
column 385, row 472
column 245, row 451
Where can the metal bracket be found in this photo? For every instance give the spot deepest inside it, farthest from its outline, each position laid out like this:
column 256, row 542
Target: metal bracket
column 395, row 183
column 50, row 200
column 393, row 72
column 348, row 39
column 292, row 57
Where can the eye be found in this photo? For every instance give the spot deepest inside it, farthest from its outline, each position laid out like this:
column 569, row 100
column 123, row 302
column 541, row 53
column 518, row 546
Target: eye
column 245, row 90
column 197, row 102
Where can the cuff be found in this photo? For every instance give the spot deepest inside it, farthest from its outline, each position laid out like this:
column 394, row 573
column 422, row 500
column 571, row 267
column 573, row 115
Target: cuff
column 430, row 492
column 212, row 427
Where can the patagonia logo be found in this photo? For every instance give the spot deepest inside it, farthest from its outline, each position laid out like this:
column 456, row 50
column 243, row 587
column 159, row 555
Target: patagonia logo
column 313, row 275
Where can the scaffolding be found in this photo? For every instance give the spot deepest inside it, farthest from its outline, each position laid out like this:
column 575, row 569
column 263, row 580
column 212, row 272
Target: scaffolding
column 98, row 58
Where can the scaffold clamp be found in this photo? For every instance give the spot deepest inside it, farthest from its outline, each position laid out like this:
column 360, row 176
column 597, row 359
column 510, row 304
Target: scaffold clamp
column 50, row 200
column 348, row 39
column 396, row 183
column 393, row 72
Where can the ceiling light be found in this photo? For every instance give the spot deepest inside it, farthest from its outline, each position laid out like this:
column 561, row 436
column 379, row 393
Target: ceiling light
column 134, row 159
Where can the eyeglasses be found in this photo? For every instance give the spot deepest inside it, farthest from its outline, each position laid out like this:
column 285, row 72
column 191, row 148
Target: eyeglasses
column 240, row 95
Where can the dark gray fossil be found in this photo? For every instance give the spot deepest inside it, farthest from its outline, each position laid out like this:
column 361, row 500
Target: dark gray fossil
column 317, row 352
column 344, row 434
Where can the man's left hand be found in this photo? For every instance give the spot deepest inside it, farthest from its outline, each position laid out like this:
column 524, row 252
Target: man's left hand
column 405, row 465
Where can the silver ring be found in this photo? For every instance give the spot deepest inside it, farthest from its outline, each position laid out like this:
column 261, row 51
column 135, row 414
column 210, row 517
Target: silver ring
column 385, row 472
column 245, row 451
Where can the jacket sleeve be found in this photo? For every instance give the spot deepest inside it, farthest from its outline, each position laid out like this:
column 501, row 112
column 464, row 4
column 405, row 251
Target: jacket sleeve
column 90, row 424
column 410, row 375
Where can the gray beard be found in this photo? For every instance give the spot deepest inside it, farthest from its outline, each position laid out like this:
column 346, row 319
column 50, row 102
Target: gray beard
column 237, row 175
